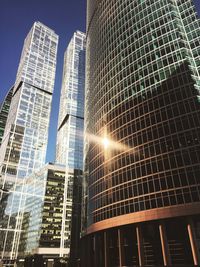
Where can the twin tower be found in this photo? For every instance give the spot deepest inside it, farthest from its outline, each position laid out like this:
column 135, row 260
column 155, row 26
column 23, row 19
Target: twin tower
column 37, row 199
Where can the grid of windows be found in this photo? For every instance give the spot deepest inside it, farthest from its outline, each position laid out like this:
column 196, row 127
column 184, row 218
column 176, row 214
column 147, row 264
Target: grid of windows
column 26, row 133
column 69, row 148
column 4, row 109
column 143, row 87
column 51, row 219
column 44, row 207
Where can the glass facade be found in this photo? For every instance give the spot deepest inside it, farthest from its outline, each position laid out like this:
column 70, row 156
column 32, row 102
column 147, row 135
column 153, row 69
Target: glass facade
column 69, row 150
column 42, row 225
column 143, row 95
column 51, row 221
column 69, row 147
column 26, row 133
column 143, row 87
column 4, row 109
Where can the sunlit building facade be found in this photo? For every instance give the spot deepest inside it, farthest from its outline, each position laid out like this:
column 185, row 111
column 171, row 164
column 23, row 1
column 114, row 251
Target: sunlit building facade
column 4, row 109
column 143, row 134
column 26, row 133
column 48, row 222
column 69, row 146
column 69, row 149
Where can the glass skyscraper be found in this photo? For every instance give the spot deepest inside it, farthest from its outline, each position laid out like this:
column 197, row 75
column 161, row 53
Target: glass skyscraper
column 69, row 147
column 143, row 134
column 26, row 133
column 4, row 109
column 69, row 150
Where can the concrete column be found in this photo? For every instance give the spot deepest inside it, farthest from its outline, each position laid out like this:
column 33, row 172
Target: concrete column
column 164, row 245
column 50, row 263
column 95, row 251
column 193, row 242
column 106, row 251
column 121, row 248
column 140, row 246
column 89, row 252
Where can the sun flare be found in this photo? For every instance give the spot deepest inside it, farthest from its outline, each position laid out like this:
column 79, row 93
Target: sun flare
column 105, row 142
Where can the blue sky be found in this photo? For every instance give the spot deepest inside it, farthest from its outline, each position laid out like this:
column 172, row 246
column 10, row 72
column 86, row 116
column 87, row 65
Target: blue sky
column 16, row 19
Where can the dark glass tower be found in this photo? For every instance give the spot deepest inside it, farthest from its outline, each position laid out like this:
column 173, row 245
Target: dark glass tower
column 143, row 104
column 4, row 109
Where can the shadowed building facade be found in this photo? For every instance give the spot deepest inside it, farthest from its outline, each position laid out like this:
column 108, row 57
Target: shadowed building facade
column 143, row 95
column 25, row 138
column 4, row 109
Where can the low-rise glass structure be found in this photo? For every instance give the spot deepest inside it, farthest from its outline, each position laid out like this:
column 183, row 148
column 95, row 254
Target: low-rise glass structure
column 51, row 223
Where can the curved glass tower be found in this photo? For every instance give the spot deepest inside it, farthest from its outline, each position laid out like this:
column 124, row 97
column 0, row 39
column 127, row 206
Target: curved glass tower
column 143, row 133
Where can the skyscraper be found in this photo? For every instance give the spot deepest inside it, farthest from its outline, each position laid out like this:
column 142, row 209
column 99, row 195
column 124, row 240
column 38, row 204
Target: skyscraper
column 69, row 150
column 25, row 139
column 4, row 109
column 143, row 134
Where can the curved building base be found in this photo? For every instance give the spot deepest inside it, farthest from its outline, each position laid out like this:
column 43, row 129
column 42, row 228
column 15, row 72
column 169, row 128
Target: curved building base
column 173, row 242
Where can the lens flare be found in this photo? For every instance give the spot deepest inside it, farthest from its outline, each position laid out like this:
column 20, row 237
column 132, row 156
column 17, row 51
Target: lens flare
column 105, row 142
